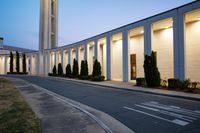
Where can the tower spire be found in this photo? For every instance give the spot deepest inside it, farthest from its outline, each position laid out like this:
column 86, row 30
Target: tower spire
column 48, row 33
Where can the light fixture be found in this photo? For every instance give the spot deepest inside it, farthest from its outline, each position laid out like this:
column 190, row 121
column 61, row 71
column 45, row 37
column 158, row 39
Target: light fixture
column 142, row 31
column 168, row 27
column 198, row 18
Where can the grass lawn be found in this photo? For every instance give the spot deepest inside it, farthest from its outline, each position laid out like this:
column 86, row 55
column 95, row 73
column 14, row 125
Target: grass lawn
column 16, row 116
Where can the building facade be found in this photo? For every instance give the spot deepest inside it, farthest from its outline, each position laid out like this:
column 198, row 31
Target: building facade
column 174, row 35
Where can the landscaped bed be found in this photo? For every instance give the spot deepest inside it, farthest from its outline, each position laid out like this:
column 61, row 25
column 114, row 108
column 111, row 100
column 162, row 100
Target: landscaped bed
column 16, row 116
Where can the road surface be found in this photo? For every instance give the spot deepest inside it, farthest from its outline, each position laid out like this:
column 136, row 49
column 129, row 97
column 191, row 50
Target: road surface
column 141, row 112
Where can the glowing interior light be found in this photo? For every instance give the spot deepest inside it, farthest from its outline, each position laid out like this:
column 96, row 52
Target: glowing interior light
column 142, row 31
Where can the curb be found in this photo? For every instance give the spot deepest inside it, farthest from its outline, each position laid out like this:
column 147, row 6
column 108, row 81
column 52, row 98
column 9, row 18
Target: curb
column 130, row 89
column 99, row 119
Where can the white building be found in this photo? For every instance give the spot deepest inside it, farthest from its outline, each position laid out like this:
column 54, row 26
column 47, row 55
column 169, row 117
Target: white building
column 174, row 35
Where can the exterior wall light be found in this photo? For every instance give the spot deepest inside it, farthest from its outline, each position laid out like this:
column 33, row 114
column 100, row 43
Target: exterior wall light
column 198, row 18
column 142, row 32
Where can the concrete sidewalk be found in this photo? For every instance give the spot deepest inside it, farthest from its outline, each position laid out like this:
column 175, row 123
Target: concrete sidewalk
column 56, row 116
column 130, row 87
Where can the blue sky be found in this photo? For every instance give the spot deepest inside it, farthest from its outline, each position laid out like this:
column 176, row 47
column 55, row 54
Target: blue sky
column 78, row 19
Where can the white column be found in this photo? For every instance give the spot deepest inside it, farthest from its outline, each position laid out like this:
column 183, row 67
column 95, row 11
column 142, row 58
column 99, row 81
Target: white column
column 77, row 53
column 147, row 38
column 85, row 52
column 5, row 65
column 47, row 63
column 31, row 56
column 108, row 49
column 62, row 58
column 125, row 56
column 69, row 56
column 55, row 58
column 176, row 46
column 96, row 49
column 180, row 70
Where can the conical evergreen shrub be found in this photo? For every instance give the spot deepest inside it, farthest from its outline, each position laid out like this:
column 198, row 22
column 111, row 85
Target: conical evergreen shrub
column 152, row 75
column 17, row 62
column 54, row 71
column 96, row 74
column 24, row 63
column 11, row 62
column 68, row 70
column 60, row 69
column 75, row 71
column 84, row 70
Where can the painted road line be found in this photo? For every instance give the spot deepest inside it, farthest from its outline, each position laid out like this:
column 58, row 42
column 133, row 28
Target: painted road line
column 175, row 121
column 189, row 119
column 181, row 111
column 176, row 107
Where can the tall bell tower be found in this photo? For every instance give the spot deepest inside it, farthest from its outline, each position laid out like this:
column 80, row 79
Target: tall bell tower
column 48, row 34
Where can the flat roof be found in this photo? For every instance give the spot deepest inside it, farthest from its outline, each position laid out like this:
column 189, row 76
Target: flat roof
column 65, row 45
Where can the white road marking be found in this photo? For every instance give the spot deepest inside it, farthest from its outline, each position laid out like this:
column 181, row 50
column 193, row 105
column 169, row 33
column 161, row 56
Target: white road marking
column 176, row 121
column 186, row 118
column 181, row 111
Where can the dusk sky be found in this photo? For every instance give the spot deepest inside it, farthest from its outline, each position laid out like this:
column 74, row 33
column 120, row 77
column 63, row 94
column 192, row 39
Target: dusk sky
column 78, row 19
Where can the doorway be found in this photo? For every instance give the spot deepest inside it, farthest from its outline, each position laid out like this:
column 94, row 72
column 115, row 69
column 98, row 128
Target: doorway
column 133, row 66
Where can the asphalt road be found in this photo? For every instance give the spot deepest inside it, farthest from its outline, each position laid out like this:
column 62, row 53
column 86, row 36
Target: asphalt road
column 141, row 112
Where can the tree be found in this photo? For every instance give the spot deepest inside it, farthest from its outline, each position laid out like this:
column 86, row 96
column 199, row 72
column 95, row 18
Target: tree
column 96, row 74
column 11, row 62
column 75, row 71
column 96, row 69
column 84, row 70
column 24, row 63
column 60, row 69
column 54, row 71
column 152, row 75
column 17, row 62
column 68, row 70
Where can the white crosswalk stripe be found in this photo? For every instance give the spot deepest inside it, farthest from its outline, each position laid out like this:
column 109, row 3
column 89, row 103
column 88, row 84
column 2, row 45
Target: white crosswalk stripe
column 181, row 116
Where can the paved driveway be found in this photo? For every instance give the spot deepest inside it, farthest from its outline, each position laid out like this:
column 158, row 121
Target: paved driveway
column 143, row 113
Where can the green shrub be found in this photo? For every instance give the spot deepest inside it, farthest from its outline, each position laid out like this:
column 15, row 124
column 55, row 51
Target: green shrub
column 75, row 71
column 11, row 62
column 24, row 63
column 185, row 84
column 140, row 82
column 68, row 70
column 152, row 75
column 54, row 71
column 60, row 69
column 173, row 83
column 84, row 70
column 17, row 62
column 96, row 74
column 18, row 73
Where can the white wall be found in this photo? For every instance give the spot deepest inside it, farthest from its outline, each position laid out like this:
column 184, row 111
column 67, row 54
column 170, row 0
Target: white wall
column 102, row 58
column 81, row 57
column 137, row 47
column 2, row 61
column 20, row 64
column 65, row 58
column 90, row 58
column 162, row 43
column 34, row 65
column 116, row 61
column 52, row 59
column 73, row 56
column 192, row 51
column 59, row 58
column 8, row 64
